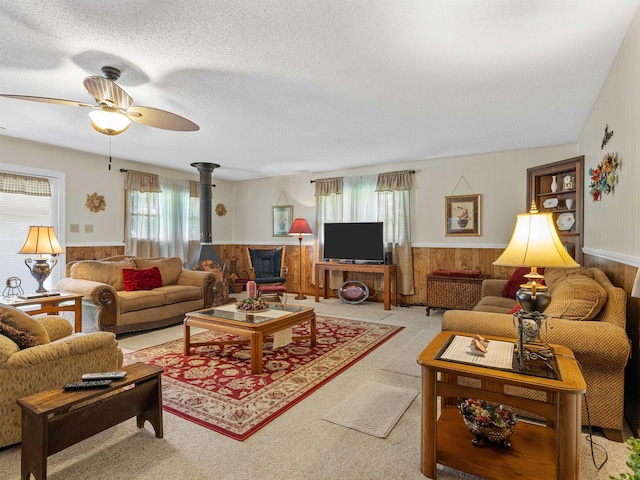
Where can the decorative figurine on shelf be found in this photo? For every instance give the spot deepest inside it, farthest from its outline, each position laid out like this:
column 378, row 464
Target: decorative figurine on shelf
column 569, row 182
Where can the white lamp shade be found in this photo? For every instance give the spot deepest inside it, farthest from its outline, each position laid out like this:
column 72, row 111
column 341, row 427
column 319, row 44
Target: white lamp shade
column 535, row 242
column 41, row 240
column 109, row 121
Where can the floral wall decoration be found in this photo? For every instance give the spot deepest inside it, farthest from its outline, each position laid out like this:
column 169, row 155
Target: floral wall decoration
column 604, row 176
column 95, row 202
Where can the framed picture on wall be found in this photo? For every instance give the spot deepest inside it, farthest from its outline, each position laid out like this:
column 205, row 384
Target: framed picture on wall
column 462, row 215
column 282, row 219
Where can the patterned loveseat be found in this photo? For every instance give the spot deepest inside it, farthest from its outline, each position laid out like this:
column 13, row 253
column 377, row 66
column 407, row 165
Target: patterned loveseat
column 108, row 306
column 588, row 315
column 41, row 353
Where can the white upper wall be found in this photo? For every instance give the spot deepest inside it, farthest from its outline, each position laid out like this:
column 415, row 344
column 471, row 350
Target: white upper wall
column 500, row 177
column 612, row 229
column 88, row 173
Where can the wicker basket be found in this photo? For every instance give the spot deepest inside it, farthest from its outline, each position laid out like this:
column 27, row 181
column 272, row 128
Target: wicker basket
column 458, row 293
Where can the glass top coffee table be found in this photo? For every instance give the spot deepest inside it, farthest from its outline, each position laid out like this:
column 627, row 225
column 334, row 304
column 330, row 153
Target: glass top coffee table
column 254, row 326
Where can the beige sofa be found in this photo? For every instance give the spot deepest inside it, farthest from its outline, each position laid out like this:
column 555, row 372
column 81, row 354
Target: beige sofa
column 58, row 357
column 108, row 306
column 588, row 319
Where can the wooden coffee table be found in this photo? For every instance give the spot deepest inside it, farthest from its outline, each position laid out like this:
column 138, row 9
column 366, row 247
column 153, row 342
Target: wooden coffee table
column 252, row 325
column 537, row 451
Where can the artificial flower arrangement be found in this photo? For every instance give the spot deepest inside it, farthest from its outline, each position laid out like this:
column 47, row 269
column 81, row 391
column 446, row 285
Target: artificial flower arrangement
column 604, row 176
column 487, row 420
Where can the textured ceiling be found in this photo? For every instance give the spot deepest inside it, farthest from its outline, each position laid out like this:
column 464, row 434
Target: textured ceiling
column 292, row 86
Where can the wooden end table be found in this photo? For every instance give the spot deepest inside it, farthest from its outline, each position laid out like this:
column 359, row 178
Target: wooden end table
column 537, row 451
column 51, row 305
column 252, row 325
column 49, row 424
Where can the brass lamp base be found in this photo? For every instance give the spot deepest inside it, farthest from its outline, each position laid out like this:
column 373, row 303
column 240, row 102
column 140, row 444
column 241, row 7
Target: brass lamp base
column 300, row 296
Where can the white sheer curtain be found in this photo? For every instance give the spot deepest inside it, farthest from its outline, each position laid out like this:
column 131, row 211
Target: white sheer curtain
column 174, row 218
column 328, row 210
column 360, row 200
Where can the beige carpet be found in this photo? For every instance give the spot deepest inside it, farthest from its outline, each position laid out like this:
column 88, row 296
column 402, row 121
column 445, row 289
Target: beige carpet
column 298, row 444
column 373, row 408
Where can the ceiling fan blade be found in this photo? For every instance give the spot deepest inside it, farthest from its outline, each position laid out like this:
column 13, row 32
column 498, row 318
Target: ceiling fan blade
column 154, row 117
column 56, row 101
column 106, row 91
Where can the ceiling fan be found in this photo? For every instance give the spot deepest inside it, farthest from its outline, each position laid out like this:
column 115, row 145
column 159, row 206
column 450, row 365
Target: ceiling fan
column 114, row 110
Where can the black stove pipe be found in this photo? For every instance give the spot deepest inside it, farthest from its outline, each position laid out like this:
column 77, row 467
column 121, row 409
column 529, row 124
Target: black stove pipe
column 207, row 250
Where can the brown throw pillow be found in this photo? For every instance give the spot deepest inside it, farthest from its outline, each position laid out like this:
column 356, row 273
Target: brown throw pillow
column 23, row 322
column 577, row 297
column 553, row 274
column 23, row 339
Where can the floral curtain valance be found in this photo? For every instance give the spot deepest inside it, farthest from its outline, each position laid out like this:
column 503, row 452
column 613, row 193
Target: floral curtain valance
column 327, row 186
column 391, row 181
column 142, row 182
column 194, row 189
column 24, row 184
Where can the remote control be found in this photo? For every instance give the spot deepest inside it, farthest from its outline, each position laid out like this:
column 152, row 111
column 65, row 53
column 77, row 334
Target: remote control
column 88, row 384
column 104, row 376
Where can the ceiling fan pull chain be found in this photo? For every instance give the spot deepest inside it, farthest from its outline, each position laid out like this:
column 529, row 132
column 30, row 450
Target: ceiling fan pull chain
column 109, row 152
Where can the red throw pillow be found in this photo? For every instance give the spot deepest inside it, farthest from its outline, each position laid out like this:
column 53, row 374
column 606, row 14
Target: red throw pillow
column 141, row 279
column 513, row 284
column 515, row 309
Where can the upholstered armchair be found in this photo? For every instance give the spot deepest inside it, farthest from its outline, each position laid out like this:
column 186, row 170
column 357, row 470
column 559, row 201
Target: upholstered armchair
column 41, row 353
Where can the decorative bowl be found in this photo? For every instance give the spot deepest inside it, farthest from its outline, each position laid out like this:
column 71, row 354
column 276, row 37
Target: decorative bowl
column 488, row 422
column 252, row 305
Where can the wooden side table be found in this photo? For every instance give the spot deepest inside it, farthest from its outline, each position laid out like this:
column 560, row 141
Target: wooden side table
column 65, row 302
column 537, row 451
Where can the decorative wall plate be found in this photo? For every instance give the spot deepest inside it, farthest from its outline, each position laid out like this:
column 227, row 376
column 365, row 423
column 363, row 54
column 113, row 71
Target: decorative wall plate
column 565, row 221
column 550, row 203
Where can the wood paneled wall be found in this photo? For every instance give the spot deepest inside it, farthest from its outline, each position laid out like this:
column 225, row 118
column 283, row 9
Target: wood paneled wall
column 93, row 253
column 426, row 260
column 623, row 276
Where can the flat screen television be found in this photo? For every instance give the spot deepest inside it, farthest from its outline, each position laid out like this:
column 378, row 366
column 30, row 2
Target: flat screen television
column 354, row 242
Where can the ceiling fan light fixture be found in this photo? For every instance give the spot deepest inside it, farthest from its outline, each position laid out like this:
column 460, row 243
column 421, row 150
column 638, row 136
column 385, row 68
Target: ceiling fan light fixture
column 109, row 121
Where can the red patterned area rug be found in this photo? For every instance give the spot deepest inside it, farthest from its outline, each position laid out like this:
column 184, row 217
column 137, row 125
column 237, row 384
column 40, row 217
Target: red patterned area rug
column 215, row 388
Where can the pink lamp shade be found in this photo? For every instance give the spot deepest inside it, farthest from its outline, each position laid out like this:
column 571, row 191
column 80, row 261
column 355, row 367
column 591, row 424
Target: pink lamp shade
column 300, row 226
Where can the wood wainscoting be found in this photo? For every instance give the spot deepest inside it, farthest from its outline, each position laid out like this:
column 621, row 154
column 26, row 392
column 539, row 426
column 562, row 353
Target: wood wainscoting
column 93, row 253
column 425, row 261
column 623, row 276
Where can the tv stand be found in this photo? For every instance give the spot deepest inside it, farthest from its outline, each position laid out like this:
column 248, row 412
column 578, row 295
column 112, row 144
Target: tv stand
column 388, row 271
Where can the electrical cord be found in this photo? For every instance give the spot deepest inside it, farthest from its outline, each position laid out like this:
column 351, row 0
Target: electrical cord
column 592, row 442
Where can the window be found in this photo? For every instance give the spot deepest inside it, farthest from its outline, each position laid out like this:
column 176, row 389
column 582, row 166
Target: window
column 161, row 223
column 18, row 212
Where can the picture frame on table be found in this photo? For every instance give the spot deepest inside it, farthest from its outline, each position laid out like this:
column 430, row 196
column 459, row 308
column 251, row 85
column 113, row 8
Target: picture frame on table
column 282, row 220
column 462, row 215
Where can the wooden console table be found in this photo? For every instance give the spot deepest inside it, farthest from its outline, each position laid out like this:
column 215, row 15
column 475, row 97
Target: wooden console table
column 389, row 272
